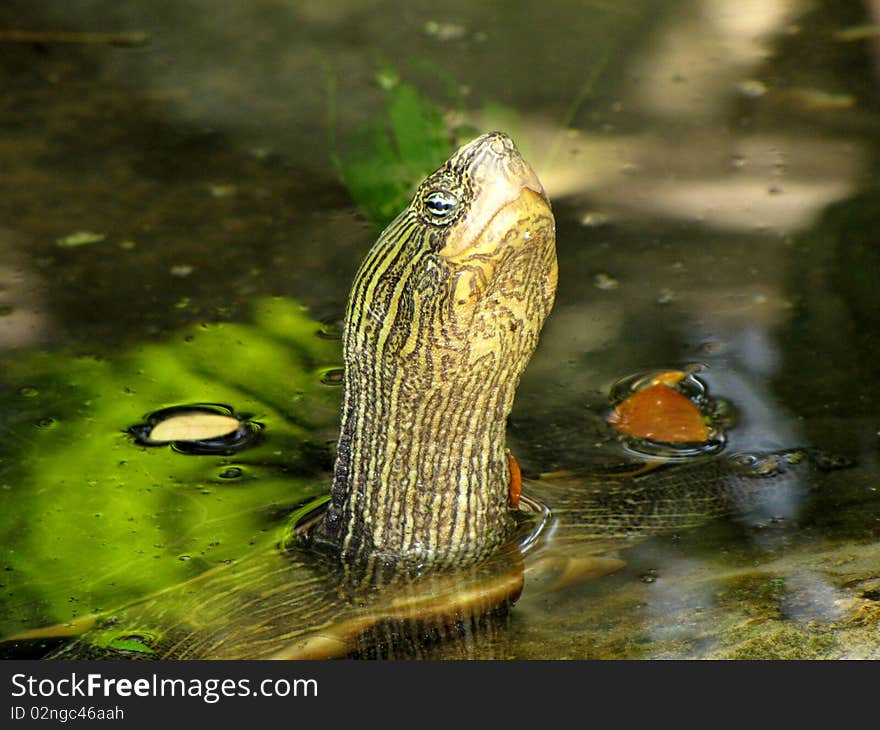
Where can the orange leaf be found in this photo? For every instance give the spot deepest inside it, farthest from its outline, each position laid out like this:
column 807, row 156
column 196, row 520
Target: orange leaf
column 660, row 413
column 514, row 486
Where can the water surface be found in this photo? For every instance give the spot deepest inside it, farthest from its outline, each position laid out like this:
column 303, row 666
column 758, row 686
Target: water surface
column 713, row 169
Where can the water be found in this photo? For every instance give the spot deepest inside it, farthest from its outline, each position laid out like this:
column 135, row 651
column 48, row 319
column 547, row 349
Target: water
column 713, row 170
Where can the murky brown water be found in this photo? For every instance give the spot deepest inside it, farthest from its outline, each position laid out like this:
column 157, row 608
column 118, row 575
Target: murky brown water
column 714, row 172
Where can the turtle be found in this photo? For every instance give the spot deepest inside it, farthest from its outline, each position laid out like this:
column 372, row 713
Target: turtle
column 424, row 533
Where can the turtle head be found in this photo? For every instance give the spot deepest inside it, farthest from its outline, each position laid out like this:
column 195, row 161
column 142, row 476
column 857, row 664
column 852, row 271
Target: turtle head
column 494, row 235
column 463, row 196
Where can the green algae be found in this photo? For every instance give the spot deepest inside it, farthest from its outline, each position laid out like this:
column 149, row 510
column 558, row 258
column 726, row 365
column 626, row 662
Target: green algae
column 91, row 520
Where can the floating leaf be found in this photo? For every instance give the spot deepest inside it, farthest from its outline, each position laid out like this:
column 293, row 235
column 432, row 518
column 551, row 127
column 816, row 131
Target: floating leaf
column 80, row 238
column 130, row 643
column 660, row 413
column 193, row 426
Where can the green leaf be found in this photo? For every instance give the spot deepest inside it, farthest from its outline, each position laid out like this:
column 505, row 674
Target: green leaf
column 386, row 158
column 373, row 173
column 420, row 135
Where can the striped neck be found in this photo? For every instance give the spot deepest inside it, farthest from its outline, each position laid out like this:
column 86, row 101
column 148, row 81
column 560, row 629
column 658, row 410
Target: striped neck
column 432, row 485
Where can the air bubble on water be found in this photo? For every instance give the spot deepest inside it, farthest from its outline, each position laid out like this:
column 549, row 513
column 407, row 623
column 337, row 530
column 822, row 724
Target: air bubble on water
column 232, row 472
column 331, row 328
column 332, row 376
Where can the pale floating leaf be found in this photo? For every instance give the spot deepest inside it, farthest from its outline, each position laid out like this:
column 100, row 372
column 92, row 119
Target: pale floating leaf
column 80, row 238
column 194, row 426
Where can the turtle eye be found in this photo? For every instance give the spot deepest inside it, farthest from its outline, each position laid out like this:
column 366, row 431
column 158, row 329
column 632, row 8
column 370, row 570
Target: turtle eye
column 441, row 204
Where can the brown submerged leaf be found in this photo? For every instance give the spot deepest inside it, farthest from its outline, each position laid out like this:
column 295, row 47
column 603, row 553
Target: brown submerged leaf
column 660, row 413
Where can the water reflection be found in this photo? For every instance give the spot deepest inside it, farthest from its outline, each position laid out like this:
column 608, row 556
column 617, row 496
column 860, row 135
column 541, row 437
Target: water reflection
column 723, row 162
